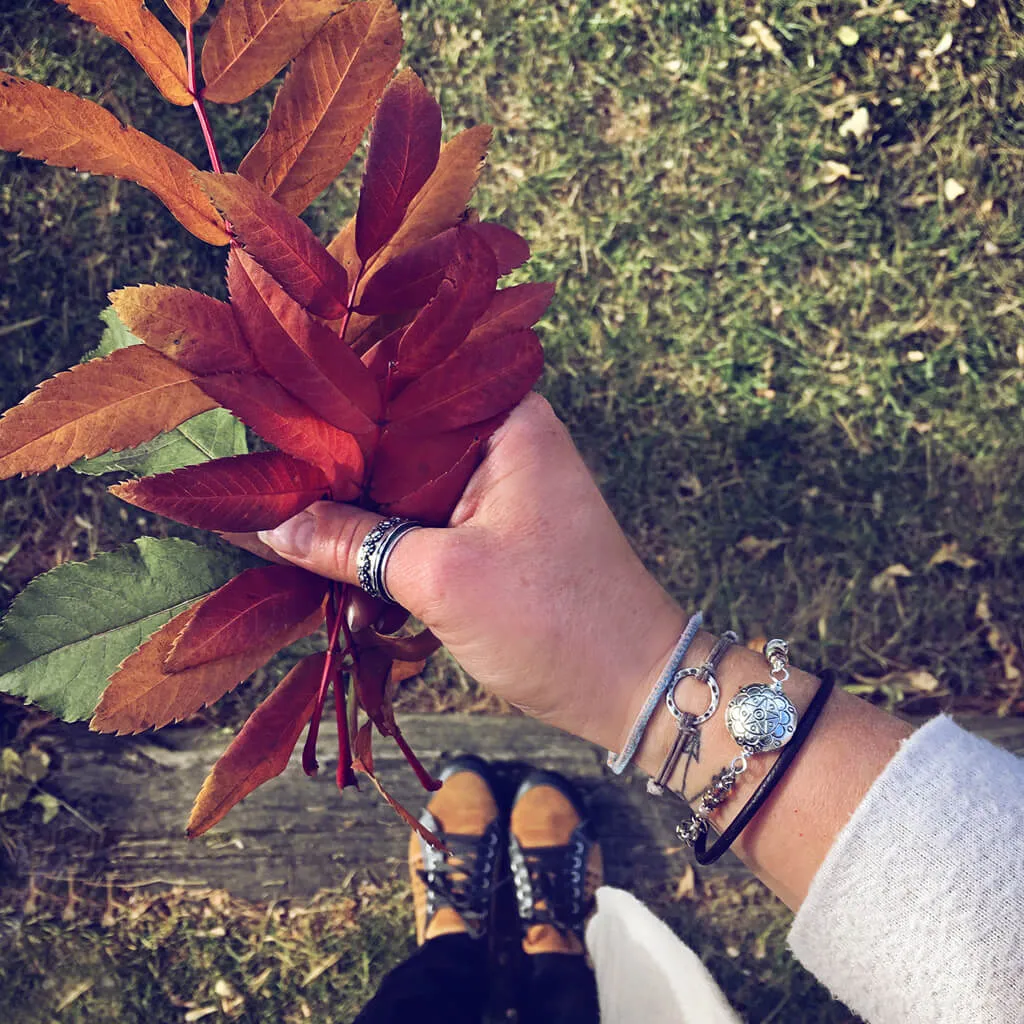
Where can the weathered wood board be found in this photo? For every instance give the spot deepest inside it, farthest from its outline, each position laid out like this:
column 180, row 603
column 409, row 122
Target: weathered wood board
column 295, row 835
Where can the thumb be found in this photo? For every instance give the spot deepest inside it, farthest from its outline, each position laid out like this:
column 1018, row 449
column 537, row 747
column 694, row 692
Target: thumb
column 325, row 538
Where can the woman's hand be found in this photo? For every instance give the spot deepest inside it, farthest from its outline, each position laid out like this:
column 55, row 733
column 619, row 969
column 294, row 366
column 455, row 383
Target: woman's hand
column 533, row 587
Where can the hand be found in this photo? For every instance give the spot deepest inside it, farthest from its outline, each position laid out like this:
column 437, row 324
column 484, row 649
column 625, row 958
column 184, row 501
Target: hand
column 533, row 587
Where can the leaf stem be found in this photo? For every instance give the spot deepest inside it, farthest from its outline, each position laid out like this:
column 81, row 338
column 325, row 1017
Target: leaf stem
column 335, row 615
column 197, row 102
column 350, row 303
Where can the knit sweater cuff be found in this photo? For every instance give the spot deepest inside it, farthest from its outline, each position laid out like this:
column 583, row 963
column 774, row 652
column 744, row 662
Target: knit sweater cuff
column 916, row 914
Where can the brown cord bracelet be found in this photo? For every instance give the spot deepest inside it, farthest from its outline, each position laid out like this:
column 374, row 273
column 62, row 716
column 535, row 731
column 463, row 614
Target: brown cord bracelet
column 771, row 779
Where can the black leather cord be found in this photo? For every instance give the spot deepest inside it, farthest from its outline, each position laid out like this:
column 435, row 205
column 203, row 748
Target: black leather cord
column 771, row 780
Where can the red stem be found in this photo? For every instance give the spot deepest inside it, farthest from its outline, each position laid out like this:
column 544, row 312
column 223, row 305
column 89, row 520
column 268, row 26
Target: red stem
column 197, row 102
column 345, row 776
column 348, row 305
column 335, row 614
column 426, row 779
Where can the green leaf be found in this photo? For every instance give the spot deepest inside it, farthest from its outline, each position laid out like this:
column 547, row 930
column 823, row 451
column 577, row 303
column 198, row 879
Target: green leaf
column 70, row 628
column 210, row 435
column 115, row 336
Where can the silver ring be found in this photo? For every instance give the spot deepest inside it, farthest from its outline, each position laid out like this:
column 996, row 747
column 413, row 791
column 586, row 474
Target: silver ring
column 375, row 552
column 712, row 684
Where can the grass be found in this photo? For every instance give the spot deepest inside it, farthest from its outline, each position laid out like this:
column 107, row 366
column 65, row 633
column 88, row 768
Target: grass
column 792, row 354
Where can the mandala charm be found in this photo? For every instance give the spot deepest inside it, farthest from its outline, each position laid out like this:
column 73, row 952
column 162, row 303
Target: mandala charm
column 761, row 718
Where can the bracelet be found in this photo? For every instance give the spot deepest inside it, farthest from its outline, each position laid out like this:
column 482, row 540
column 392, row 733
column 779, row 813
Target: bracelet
column 768, row 783
column 618, row 762
column 687, row 739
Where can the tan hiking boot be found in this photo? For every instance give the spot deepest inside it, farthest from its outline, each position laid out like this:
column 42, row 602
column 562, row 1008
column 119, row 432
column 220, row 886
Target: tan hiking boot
column 556, row 864
column 455, row 893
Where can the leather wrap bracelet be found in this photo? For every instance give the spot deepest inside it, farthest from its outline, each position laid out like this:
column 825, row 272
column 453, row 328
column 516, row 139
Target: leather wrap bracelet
column 771, row 779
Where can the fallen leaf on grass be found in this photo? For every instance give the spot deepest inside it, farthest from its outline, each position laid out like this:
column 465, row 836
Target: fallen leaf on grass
column 857, row 124
column 686, row 887
column 885, row 581
column 761, row 35
column 757, row 548
column 952, row 190
column 999, row 641
column 950, row 553
column 832, row 171
column 943, row 45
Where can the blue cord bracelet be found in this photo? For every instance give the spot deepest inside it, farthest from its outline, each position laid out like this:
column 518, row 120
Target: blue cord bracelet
column 619, row 762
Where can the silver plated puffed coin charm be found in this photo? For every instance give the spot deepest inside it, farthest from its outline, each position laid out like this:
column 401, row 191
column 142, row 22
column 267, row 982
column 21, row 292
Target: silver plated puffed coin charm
column 761, row 718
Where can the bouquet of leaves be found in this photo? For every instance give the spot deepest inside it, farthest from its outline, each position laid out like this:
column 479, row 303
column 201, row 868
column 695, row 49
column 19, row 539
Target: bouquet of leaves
column 374, row 368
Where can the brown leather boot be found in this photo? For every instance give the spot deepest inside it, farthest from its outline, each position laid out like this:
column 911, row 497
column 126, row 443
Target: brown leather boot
column 455, row 893
column 556, row 864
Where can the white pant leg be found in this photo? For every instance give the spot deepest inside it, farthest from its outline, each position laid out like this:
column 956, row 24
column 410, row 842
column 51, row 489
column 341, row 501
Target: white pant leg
column 647, row 973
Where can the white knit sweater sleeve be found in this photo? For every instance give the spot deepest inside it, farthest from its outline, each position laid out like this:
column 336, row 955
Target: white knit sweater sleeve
column 917, row 914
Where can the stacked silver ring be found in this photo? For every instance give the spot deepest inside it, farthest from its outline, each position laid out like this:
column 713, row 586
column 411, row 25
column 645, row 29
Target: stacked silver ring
column 375, row 552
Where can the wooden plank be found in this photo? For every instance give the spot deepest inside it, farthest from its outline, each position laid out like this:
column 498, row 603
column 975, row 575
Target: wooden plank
column 295, row 835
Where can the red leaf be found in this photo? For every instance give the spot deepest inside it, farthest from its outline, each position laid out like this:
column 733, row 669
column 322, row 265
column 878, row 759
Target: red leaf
column 381, row 355
column 410, row 279
column 404, row 147
column 443, row 324
column 510, row 250
column 265, row 406
column 142, row 695
column 197, row 332
column 404, row 464
column 406, row 649
column 477, row 382
column 262, row 749
column 362, row 749
column 512, row 309
column 115, row 402
column 302, row 355
column 255, row 604
column 432, row 504
column 281, row 243
column 239, row 494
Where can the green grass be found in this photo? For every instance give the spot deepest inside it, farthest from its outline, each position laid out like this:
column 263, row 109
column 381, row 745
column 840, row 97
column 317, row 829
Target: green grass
column 786, row 384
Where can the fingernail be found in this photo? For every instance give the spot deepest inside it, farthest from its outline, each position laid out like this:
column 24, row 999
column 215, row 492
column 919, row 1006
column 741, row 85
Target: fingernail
column 293, row 537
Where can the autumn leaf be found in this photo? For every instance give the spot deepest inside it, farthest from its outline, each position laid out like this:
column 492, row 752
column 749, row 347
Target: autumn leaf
column 281, row 243
column 404, row 147
column 143, row 695
column 262, row 404
column 414, row 823
column 66, row 131
column 255, row 604
column 302, row 355
column 197, row 332
column 409, row 279
column 129, row 23
column 432, row 504
column 442, row 201
column 262, row 749
column 115, row 402
column 325, row 104
column 251, row 40
column 475, row 383
column 510, row 250
column 238, row 494
column 444, row 322
column 188, row 12
column 402, row 464
column 511, row 309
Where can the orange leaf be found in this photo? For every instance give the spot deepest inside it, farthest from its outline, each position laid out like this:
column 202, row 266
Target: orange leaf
column 188, row 12
column 197, row 332
column 129, row 23
column 251, row 40
column 262, row 749
column 402, row 670
column 116, row 402
column 66, row 131
column 143, row 695
column 325, row 104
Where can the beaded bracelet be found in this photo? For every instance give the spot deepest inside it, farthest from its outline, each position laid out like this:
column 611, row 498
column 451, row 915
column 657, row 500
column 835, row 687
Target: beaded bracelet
column 694, row 832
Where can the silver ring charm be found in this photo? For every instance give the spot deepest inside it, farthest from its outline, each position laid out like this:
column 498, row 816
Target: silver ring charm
column 375, row 553
column 712, row 684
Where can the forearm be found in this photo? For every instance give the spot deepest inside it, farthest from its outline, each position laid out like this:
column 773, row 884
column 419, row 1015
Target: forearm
column 847, row 749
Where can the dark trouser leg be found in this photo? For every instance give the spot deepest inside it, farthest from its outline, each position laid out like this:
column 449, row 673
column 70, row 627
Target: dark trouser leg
column 443, row 982
column 561, row 989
